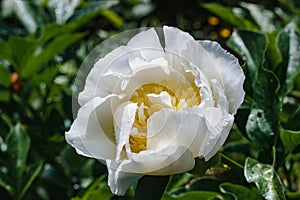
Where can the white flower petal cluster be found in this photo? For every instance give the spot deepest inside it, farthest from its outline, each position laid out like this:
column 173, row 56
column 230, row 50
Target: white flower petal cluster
column 152, row 106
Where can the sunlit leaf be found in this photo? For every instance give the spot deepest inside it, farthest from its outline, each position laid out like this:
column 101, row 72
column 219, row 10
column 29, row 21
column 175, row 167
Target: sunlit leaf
column 263, row 17
column 63, row 10
column 289, row 45
column 25, row 14
column 259, row 130
column 251, row 46
column 265, row 178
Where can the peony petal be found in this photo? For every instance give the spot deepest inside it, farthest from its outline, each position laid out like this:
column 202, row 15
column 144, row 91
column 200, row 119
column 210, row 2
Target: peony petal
column 91, row 134
column 115, row 62
column 231, row 74
column 119, row 181
column 170, row 160
column 124, row 117
column 212, row 60
column 178, row 128
column 219, row 134
column 163, row 100
column 148, row 44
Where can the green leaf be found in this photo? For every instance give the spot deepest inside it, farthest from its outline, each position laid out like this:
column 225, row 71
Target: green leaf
column 89, row 12
column 290, row 140
column 265, row 88
column 293, row 121
column 16, row 51
column 55, row 47
column 265, row 178
column 4, row 95
column 228, row 15
column 32, row 172
column 18, row 144
column 208, row 184
column 63, row 10
column 178, row 180
column 258, row 130
column 239, row 191
column 251, row 47
column 207, row 195
column 97, row 191
column 115, row 19
column 25, row 14
column 201, row 165
column 4, row 76
column 151, row 187
column 263, row 17
column 289, row 45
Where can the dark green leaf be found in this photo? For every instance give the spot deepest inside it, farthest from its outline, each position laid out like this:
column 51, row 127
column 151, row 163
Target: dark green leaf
column 265, row 178
column 227, row 14
column 178, row 180
column 290, row 139
column 293, row 121
column 16, row 51
column 18, row 144
column 55, row 47
column 289, row 45
column 240, row 192
column 151, row 187
column 201, row 165
column 208, row 184
column 4, row 95
column 4, row 76
column 194, row 195
column 31, row 174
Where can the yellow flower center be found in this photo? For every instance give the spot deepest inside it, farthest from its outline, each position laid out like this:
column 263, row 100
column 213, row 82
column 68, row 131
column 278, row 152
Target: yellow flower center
column 186, row 95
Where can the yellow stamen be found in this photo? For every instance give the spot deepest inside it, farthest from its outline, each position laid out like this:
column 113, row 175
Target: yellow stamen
column 184, row 96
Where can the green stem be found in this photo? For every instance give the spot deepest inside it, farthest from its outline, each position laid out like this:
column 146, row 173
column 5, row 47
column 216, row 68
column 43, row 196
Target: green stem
column 231, row 161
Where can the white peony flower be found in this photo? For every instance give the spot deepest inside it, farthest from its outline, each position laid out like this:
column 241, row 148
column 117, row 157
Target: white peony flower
column 151, row 107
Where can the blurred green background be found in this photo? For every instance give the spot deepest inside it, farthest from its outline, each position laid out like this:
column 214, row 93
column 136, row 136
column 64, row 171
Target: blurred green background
column 44, row 42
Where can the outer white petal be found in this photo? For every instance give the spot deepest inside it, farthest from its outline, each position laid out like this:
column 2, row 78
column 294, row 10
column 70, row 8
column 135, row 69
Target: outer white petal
column 212, row 60
column 91, row 134
column 218, row 133
column 119, row 181
column 231, row 74
column 148, row 44
column 123, row 120
column 170, row 160
column 115, row 62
